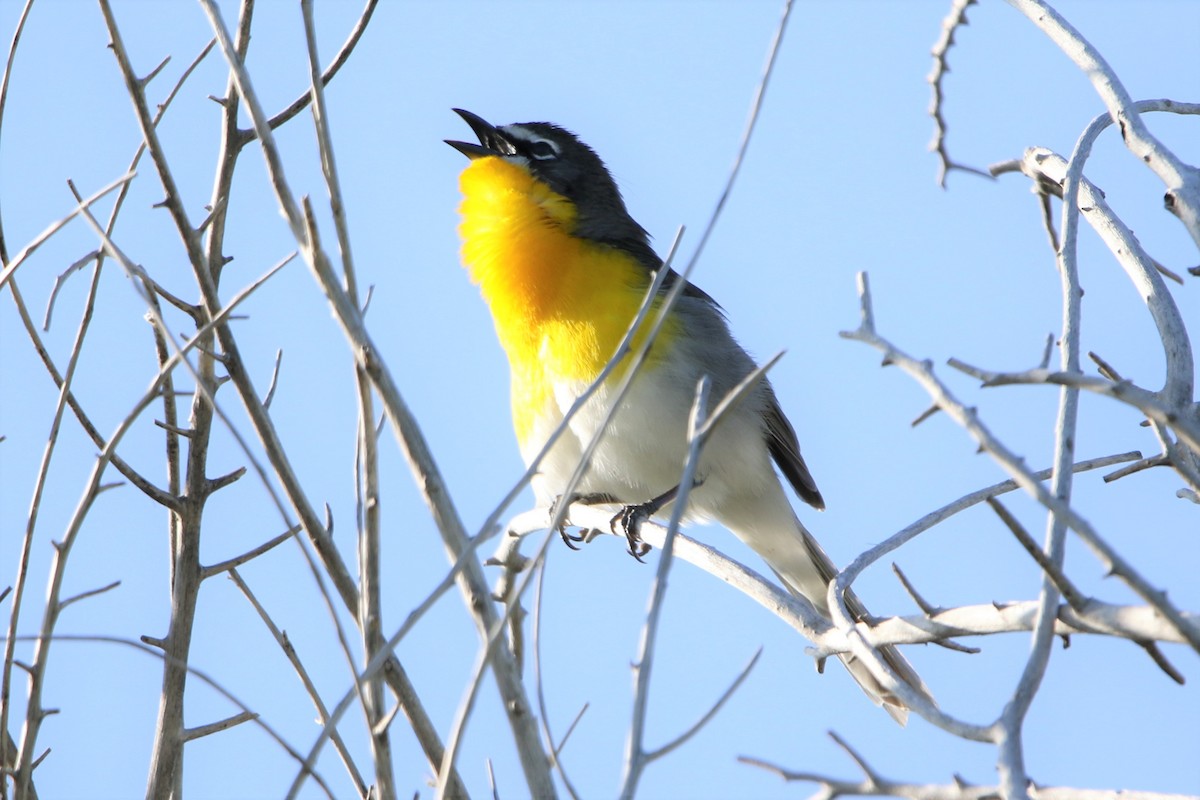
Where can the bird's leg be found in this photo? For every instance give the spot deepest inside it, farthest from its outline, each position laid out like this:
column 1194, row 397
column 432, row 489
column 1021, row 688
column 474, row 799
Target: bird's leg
column 630, row 519
column 590, row 498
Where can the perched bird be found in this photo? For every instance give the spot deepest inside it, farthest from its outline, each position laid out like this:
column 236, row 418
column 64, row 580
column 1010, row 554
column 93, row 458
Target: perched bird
column 564, row 269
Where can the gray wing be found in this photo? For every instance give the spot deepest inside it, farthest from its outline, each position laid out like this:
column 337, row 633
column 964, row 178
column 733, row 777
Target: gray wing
column 781, row 439
column 701, row 313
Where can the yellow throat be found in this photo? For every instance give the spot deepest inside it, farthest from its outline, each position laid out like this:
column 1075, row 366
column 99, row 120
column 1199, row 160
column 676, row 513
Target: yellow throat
column 561, row 304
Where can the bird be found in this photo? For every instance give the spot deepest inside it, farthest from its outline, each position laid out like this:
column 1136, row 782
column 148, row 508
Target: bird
column 564, row 269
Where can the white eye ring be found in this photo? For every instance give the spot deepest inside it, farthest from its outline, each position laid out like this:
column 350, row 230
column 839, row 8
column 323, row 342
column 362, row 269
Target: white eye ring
column 542, row 149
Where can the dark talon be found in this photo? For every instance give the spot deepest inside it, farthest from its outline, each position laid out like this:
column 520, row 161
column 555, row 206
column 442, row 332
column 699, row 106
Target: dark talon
column 587, row 499
column 630, row 518
column 643, row 550
column 569, row 539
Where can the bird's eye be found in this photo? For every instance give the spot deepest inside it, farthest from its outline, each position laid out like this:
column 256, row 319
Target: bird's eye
column 542, row 150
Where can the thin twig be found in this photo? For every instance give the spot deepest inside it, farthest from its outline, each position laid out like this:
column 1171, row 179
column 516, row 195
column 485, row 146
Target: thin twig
column 954, row 19
column 298, row 105
column 61, row 281
column 1181, row 179
column 760, row 92
column 89, row 593
column 534, row 761
column 966, row 417
column 204, row 678
column 8, row 65
column 237, row 561
column 281, row 638
column 636, row 757
column 270, row 395
column 36, row 501
column 10, row 267
column 367, row 458
column 201, row 731
column 555, row 748
column 1075, row 598
column 695, row 727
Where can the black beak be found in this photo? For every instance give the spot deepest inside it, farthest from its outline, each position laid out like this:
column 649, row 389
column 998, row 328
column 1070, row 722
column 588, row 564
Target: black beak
column 491, row 141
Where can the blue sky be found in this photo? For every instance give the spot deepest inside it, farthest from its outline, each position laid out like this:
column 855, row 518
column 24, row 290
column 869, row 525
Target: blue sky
column 838, row 179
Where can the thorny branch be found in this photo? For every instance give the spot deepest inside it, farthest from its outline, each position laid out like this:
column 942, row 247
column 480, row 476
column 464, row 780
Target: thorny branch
column 873, row 784
column 955, row 19
column 1181, row 179
column 408, row 435
column 1171, row 410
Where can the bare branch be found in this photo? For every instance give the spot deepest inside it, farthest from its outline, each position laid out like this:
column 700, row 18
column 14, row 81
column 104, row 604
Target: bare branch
column 1149, row 403
column 89, row 593
column 955, row 18
column 1181, row 179
column 237, row 561
column 1042, row 164
column 533, row 759
column 922, row 373
column 203, row 677
column 293, row 658
column 708, row 715
column 367, row 472
column 53, row 607
column 339, row 60
column 1073, row 596
column 8, row 65
column 270, row 395
column 10, row 267
column 61, row 281
column 1011, row 761
column 386, row 661
column 220, row 725
column 636, row 757
column 760, row 91
column 877, row 786
column 34, row 508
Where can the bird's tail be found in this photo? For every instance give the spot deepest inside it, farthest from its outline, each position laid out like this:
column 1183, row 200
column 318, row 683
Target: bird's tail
column 800, row 562
column 878, row 693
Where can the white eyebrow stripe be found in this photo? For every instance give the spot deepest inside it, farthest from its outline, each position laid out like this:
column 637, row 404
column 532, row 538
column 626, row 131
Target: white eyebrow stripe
column 524, row 134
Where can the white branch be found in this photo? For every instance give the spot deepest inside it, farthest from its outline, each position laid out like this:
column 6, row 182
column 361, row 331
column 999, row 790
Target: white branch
column 1181, row 179
column 1136, row 623
column 944, row 399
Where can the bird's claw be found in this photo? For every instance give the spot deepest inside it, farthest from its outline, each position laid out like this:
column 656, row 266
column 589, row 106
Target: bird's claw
column 569, row 539
column 630, row 519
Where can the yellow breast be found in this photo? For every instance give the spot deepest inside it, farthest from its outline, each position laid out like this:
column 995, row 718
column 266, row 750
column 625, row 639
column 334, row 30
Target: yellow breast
column 560, row 303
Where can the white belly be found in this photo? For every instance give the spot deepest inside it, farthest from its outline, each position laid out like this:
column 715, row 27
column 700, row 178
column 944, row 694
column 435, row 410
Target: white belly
column 641, row 454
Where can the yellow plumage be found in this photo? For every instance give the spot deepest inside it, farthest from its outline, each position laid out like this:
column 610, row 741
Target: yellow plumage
column 561, row 304
column 548, row 239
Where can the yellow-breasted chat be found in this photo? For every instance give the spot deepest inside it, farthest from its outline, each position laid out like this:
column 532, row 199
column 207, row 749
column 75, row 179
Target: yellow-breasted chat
column 564, row 269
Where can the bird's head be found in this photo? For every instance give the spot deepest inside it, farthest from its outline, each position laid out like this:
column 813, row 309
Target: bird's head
column 557, row 158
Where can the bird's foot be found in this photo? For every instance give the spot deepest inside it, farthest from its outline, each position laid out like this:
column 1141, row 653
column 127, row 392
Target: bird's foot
column 630, row 519
column 571, row 539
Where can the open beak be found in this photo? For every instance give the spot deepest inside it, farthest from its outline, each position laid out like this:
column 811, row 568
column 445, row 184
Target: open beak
column 491, row 141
